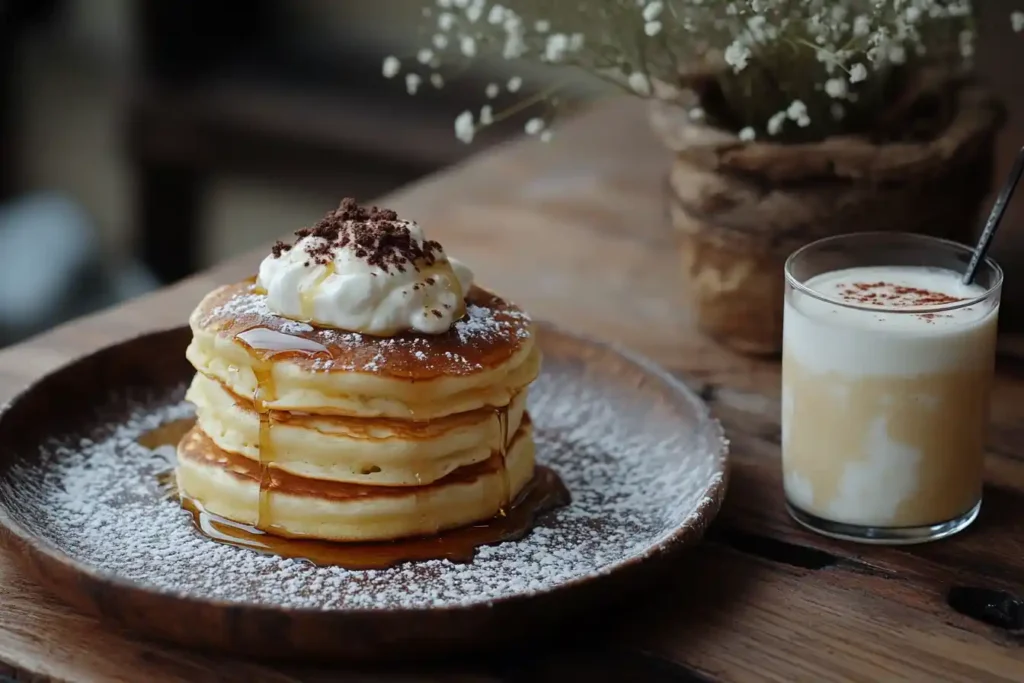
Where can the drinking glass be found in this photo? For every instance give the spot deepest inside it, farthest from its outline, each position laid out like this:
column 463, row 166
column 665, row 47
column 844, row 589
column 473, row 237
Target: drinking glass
column 885, row 404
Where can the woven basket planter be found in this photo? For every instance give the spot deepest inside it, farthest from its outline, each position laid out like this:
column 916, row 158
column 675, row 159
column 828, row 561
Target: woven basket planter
column 740, row 208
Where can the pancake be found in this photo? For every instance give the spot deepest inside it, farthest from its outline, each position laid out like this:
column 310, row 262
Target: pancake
column 485, row 359
column 229, row 485
column 372, row 451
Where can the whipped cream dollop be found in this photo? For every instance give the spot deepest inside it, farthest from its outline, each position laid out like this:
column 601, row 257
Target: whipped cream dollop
column 365, row 270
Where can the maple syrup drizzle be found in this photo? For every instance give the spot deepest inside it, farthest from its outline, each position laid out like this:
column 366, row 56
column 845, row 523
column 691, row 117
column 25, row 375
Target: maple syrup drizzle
column 265, row 393
column 506, row 490
column 545, row 492
column 263, row 344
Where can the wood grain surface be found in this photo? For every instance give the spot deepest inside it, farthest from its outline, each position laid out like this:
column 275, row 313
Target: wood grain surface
column 575, row 231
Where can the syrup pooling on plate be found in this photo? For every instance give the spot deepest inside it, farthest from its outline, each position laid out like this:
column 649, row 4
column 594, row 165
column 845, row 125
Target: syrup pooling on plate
column 166, row 438
column 544, row 492
column 167, row 434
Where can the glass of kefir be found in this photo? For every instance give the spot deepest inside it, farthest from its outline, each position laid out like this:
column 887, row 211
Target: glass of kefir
column 886, row 374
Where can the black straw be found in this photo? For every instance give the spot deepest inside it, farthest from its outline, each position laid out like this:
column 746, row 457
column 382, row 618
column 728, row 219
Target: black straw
column 995, row 217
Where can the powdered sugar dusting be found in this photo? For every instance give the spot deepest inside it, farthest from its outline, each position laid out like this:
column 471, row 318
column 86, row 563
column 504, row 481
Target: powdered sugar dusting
column 639, row 469
column 245, row 304
column 481, row 323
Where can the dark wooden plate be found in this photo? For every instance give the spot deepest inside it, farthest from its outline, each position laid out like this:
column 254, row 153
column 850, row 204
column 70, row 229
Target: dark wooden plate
column 81, row 506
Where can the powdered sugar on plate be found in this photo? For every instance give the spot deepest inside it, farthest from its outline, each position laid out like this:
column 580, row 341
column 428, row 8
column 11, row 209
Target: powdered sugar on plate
column 640, row 469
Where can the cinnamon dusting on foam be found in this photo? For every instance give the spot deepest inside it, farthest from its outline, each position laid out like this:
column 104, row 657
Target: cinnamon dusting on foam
column 891, row 295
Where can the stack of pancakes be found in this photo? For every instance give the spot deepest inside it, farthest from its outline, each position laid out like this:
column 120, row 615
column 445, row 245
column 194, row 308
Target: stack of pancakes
column 320, row 433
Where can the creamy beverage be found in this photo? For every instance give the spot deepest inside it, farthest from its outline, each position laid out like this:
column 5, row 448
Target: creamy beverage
column 885, row 392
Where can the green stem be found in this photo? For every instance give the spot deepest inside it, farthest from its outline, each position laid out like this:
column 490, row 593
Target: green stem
column 525, row 104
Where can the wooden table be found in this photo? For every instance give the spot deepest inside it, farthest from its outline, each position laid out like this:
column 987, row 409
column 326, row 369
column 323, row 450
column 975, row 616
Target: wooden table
column 576, row 232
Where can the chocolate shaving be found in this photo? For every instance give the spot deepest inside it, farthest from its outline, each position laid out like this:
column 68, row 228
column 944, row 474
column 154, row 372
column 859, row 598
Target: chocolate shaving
column 377, row 236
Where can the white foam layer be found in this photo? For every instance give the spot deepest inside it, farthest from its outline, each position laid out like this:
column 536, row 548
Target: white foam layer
column 902, row 333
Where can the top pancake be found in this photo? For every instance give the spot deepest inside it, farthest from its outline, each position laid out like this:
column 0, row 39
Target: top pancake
column 482, row 360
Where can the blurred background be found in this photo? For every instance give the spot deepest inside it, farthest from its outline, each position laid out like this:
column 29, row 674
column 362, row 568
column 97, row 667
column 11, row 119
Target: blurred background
column 141, row 140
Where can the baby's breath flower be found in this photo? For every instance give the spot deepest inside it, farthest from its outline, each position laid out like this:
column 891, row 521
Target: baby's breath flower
column 861, row 26
column 775, row 123
column 467, row 44
column 858, row 73
column 966, row 41
column 437, row 80
column 444, row 3
column 556, row 46
column 486, row 115
column 737, row 55
column 391, row 66
column 475, row 11
column 1017, row 21
column 545, row 136
column 747, row 134
column 696, row 114
column 464, row 128
column 496, row 15
column 491, row 90
column 534, row 126
column 542, row 26
column 445, row 21
column 797, row 111
column 514, row 84
column 652, row 10
column 440, row 41
column 424, row 56
column 652, row 28
column 412, row 83
column 515, row 45
column 835, row 87
column 639, row 83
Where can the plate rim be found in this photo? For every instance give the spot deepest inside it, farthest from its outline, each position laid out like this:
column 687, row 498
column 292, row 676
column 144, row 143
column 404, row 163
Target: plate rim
column 27, row 547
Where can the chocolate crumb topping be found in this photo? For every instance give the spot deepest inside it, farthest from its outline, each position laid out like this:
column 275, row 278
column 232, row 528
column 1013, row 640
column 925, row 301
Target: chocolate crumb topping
column 377, row 235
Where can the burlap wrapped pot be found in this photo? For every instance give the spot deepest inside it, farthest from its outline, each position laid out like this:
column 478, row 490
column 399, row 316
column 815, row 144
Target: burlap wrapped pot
column 740, row 208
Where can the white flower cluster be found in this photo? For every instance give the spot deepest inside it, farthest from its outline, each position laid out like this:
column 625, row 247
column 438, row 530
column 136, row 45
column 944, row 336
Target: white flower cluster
column 849, row 41
column 466, row 28
column 819, row 55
